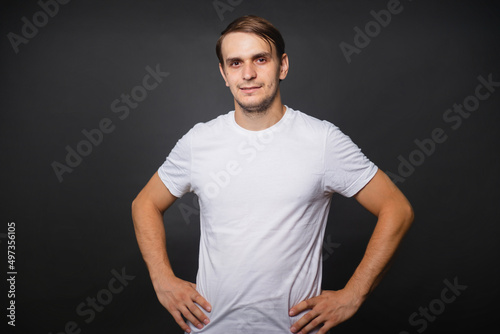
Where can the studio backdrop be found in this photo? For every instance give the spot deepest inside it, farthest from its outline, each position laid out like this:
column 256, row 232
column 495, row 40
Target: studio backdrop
column 95, row 94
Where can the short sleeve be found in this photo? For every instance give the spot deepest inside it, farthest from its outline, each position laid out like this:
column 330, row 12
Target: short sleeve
column 347, row 169
column 176, row 170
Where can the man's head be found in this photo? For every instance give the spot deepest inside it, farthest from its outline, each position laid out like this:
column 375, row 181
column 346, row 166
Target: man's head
column 252, row 61
column 254, row 25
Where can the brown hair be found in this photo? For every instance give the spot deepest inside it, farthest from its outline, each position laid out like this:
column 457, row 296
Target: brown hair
column 255, row 25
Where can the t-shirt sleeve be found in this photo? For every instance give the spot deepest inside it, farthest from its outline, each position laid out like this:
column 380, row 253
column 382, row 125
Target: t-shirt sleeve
column 176, row 170
column 347, row 169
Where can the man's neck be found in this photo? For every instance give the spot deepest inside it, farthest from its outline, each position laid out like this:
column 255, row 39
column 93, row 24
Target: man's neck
column 256, row 121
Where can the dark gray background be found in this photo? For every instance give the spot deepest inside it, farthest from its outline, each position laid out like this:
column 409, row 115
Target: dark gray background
column 72, row 234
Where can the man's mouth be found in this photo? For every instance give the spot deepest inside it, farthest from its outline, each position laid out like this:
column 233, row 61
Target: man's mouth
column 249, row 89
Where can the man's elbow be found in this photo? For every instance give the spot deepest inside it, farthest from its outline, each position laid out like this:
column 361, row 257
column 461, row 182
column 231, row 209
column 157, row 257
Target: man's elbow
column 407, row 215
column 137, row 205
column 134, row 205
column 144, row 204
column 401, row 215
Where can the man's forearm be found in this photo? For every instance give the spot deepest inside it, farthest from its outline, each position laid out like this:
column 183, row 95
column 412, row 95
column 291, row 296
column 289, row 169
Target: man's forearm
column 392, row 225
column 150, row 234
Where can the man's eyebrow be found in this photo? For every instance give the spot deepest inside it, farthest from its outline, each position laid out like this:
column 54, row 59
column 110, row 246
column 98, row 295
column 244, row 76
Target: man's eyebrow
column 262, row 55
column 256, row 56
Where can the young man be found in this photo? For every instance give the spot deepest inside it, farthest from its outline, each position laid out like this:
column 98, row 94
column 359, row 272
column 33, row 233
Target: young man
column 264, row 174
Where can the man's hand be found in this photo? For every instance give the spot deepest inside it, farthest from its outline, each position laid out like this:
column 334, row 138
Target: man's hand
column 327, row 310
column 179, row 298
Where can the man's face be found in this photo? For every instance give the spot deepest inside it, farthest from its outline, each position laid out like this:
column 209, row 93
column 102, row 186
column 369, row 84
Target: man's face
column 252, row 70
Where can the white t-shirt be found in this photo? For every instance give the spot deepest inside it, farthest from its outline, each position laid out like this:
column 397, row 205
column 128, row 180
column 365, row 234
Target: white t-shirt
column 264, row 200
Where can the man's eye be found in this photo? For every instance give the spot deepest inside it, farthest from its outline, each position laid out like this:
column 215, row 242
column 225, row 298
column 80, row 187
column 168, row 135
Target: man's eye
column 261, row 60
column 235, row 63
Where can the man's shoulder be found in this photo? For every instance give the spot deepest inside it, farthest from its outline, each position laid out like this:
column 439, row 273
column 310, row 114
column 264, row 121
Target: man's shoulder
column 309, row 121
column 216, row 124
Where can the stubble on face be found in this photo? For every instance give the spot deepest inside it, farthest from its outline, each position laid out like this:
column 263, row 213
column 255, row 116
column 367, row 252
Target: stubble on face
column 259, row 107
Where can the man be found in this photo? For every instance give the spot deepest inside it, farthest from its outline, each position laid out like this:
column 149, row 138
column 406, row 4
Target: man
column 264, row 174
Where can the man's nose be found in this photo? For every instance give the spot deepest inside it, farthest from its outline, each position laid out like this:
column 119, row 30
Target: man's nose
column 249, row 72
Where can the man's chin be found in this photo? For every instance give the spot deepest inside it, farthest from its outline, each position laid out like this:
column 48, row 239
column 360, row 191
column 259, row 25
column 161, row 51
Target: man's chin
column 255, row 107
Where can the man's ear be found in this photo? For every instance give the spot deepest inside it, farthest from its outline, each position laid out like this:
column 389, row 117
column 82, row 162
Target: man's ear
column 284, row 66
column 223, row 74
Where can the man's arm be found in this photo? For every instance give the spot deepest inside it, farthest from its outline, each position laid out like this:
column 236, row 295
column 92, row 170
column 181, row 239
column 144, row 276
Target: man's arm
column 395, row 215
column 176, row 295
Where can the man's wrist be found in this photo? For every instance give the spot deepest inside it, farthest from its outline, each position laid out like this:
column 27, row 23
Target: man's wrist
column 161, row 274
column 358, row 293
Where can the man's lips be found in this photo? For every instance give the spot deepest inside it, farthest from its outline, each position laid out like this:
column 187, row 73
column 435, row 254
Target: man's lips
column 249, row 90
